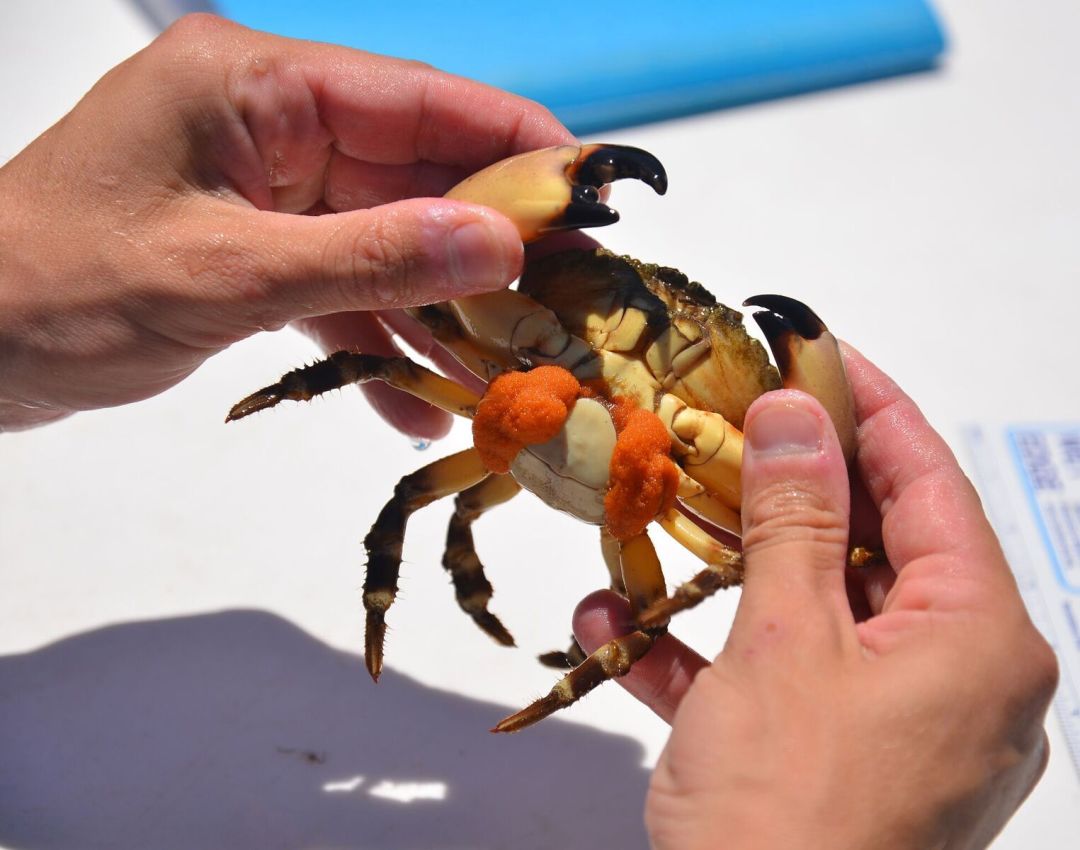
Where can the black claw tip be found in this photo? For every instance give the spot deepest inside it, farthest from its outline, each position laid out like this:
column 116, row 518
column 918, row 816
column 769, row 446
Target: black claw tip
column 786, row 315
column 494, row 627
column 599, row 165
column 264, row 398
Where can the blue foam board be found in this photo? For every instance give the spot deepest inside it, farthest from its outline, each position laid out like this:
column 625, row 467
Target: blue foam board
column 609, row 65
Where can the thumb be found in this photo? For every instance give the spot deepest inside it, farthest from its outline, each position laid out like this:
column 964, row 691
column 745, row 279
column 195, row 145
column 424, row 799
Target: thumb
column 795, row 520
column 408, row 253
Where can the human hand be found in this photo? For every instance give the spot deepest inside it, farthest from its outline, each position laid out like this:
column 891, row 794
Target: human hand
column 906, row 712
column 172, row 213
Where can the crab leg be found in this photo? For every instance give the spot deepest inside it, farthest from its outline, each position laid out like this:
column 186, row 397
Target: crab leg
column 723, row 568
column 574, row 655
column 499, row 331
column 709, row 449
column 564, row 660
column 347, row 367
column 709, row 506
column 471, row 587
column 644, row 581
column 383, row 543
column 610, row 548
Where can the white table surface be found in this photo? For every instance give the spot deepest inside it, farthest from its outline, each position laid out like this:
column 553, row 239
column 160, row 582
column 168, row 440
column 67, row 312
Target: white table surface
column 180, row 605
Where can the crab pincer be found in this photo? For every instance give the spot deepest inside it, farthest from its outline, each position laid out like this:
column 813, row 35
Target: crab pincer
column 563, row 183
column 808, row 357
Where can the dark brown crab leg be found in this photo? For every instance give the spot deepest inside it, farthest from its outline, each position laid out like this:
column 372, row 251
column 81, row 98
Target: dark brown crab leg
column 383, row 543
column 471, row 587
column 644, row 580
column 348, row 367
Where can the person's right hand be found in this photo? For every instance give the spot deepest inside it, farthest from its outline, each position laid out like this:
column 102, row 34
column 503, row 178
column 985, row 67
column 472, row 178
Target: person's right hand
column 224, row 181
column 903, row 711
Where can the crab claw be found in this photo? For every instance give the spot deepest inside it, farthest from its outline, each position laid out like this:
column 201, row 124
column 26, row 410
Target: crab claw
column 559, row 188
column 809, row 359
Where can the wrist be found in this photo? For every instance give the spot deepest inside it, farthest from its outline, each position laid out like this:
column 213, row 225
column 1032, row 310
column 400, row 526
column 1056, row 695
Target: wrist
column 20, row 405
column 803, row 809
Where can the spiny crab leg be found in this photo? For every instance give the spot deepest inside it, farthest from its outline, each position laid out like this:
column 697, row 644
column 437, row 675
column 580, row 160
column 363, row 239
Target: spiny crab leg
column 561, row 186
column 809, row 359
column 471, row 587
column 348, row 367
column 644, row 581
column 383, row 543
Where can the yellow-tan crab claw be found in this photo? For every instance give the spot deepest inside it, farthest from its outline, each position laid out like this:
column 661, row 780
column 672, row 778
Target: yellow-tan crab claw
column 809, row 359
column 559, row 188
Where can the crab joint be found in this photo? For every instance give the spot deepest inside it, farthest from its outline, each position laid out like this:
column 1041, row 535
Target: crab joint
column 558, row 188
column 710, row 447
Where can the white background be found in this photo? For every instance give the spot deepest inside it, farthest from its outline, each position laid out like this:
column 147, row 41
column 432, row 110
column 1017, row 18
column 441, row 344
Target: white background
column 180, row 600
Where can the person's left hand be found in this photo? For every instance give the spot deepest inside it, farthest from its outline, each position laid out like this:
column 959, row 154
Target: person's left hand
column 174, row 212
column 894, row 706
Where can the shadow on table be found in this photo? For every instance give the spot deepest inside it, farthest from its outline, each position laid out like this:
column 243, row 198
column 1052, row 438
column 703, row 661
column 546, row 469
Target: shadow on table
column 239, row 730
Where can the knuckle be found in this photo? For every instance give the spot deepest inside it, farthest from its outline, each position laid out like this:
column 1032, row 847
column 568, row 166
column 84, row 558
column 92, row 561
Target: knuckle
column 248, row 300
column 1042, row 662
column 374, row 261
column 783, row 514
column 195, row 28
column 193, row 48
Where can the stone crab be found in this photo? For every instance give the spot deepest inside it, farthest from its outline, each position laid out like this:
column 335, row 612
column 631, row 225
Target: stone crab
column 616, row 393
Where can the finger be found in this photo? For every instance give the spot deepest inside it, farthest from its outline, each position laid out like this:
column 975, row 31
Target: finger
column 408, row 253
column 353, row 185
column 930, row 511
column 795, row 513
column 363, row 332
column 385, row 110
column 868, row 588
column 662, row 677
column 299, row 96
column 877, row 583
column 266, row 113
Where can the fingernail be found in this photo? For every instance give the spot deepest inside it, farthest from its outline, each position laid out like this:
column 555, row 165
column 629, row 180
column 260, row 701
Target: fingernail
column 785, row 429
column 476, row 258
